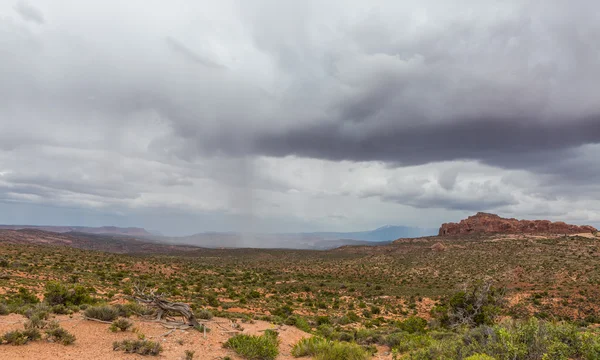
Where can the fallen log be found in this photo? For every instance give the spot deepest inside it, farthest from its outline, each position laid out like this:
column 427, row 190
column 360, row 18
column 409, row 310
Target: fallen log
column 165, row 307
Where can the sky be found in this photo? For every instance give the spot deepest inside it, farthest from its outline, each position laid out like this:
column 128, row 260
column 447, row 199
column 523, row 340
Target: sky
column 284, row 116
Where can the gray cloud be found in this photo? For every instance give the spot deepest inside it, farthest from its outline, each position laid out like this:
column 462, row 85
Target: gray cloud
column 497, row 142
column 186, row 52
column 29, row 12
column 180, row 108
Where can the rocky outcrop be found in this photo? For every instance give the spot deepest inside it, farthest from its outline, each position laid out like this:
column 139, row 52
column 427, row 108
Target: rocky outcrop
column 484, row 223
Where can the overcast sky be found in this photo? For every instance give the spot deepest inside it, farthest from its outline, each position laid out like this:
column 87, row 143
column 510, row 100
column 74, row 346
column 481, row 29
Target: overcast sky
column 277, row 115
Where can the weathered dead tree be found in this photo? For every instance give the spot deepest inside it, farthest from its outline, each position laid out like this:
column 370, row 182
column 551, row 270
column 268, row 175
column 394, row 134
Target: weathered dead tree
column 165, row 307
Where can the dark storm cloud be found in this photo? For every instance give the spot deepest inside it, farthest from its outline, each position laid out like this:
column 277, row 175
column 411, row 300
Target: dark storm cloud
column 29, row 13
column 520, row 143
column 454, row 203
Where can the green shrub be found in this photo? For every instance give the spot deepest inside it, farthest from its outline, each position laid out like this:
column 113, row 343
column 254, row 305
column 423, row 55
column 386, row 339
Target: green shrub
column 404, row 342
column 326, row 331
column 284, row 311
column 345, row 336
column 310, row 346
column 352, row 316
column 343, row 320
column 478, row 305
column 60, row 309
column 57, row 334
column 104, row 313
column 320, row 320
column 480, row 357
column 142, row 347
column 204, row 314
column 368, row 337
column 17, row 337
column 264, row 347
column 299, row 322
column 323, row 349
column 37, row 316
column 133, row 308
column 523, row 340
column 41, row 311
column 22, row 297
column 120, row 325
column 58, row 294
column 413, row 324
column 302, row 324
column 35, row 322
column 32, row 334
column 4, row 309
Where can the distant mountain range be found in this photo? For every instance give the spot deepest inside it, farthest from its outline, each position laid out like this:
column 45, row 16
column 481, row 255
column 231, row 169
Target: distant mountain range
column 384, row 233
column 120, row 244
column 309, row 240
column 113, row 230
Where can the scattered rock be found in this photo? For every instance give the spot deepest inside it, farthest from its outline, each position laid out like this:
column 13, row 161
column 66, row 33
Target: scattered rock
column 439, row 247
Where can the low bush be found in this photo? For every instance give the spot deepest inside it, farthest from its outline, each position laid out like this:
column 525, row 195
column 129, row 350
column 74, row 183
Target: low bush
column 61, row 309
column 413, row 324
column 524, row 340
column 264, row 347
column 404, row 341
column 299, row 322
column 104, row 313
column 55, row 333
column 32, row 334
column 4, row 310
column 41, row 311
column 59, row 294
column 120, row 325
column 133, row 308
column 141, row 347
column 477, row 305
column 14, row 337
column 284, row 311
column 204, row 314
column 369, row 337
column 17, row 337
column 310, row 346
column 480, row 357
column 323, row 349
column 22, row 297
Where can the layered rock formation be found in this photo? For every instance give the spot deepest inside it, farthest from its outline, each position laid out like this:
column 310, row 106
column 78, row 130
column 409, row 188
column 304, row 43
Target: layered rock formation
column 484, row 223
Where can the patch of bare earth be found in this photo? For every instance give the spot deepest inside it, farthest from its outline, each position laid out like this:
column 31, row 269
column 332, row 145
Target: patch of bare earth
column 94, row 340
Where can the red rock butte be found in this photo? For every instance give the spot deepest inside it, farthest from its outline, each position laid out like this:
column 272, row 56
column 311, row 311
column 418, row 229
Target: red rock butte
column 484, row 223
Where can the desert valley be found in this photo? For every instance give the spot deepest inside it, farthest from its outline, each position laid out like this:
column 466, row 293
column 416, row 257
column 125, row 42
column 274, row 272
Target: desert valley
column 486, row 285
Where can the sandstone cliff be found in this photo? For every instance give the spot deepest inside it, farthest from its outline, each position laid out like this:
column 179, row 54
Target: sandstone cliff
column 484, row 223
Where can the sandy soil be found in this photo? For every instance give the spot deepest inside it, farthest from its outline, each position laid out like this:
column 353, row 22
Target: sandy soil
column 94, row 340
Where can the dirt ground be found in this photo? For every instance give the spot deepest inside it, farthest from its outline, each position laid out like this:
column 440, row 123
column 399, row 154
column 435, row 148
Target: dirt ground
column 94, row 340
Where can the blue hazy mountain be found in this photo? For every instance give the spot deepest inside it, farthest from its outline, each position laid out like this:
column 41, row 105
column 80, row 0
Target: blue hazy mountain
column 384, row 233
column 306, row 240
